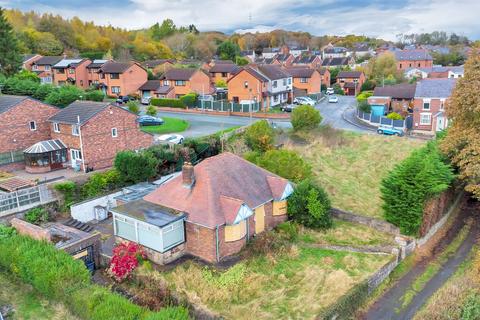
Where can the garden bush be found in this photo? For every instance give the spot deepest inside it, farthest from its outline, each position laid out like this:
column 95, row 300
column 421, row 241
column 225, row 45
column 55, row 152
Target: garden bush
column 27, row 75
column 151, row 111
column 364, row 96
column 133, row 107
column 6, row 232
column 68, row 189
column 368, row 85
column 136, row 167
column 126, row 257
column 259, row 136
column 364, row 106
column 43, row 91
column 418, row 178
column 394, row 116
column 94, row 95
column 172, row 103
column 64, row 95
column 37, row 215
column 101, row 182
column 337, row 89
column 310, row 206
column 189, row 99
column 305, row 117
column 15, row 86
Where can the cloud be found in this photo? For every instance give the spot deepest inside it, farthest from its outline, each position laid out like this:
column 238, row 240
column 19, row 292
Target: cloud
column 384, row 19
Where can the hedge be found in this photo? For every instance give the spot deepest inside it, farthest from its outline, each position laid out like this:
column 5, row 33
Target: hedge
column 58, row 277
column 172, row 103
column 345, row 307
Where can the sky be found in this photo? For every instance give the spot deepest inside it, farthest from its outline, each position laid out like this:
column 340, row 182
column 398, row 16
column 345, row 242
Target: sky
column 377, row 18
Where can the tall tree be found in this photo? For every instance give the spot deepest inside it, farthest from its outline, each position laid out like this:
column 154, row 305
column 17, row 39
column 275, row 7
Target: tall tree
column 462, row 142
column 228, row 50
column 10, row 59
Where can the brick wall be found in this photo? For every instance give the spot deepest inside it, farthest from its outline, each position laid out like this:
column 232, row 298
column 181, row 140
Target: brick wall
column 200, row 241
column 31, row 230
column 231, row 247
column 272, row 221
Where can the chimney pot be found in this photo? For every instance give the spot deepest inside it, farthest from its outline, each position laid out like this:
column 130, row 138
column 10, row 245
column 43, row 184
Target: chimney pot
column 188, row 174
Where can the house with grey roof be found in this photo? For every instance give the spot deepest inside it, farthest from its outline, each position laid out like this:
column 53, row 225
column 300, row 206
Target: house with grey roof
column 121, row 78
column 435, row 72
column 416, row 58
column 28, row 60
column 43, row 68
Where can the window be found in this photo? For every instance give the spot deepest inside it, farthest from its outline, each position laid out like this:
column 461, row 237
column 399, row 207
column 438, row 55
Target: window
column 165, row 83
column 245, row 84
column 71, row 71
column 425, row 118
column 289, row 80
column 114, row 132
column 303, row 80
column 116, row 90
column 75, row 130
column 56, row 127
column 400, row 66
column 33, row 125
column 419, row 65
column 180, row 83
column 101, row 76
column 235, row 232
column 47, row 68
column 114, row 76
column 410, row 65
column 61, row 71
column 224, row 74
column 34, row 67
column 442, row 104
column 284, row 82
column 274, row 84
column 426, row 104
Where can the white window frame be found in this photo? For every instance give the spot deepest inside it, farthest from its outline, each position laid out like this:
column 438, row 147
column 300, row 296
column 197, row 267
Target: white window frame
column 274, row 84
column 442, row 104
column 423, row 123
column 33, row 126
column 47, row 68
column 34, row 67
column 429, row 101
column 56, row 127
column 75, row 130
column 114, row 132
column 116, row 89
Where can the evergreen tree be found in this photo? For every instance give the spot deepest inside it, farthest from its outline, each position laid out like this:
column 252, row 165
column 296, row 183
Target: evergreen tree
column 10, row 59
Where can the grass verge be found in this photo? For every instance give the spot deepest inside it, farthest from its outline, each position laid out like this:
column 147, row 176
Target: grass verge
column 171, row 125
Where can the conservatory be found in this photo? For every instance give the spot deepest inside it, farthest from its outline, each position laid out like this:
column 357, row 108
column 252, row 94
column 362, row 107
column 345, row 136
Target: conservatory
column 45, row 156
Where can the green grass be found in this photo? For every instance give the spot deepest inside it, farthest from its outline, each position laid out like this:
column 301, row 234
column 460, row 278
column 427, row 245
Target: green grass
column 221, row 132
column 29, row 305
column 351, row 166
column 171, row 125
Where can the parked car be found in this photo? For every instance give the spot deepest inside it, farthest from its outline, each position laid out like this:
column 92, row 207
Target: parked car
column 330, row 91
column 124, row 99
column 304, row 100
column 288, row 107
column 332, row 99
column 171, row 138
column 150, row 121
column 389, row 130
column 146, row 100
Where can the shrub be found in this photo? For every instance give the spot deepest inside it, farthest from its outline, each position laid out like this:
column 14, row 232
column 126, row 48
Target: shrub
column 68, row 190
column 286, row 163
column 37, row 215
column 133, row 107
column 305, row 117
column 394, row 116
column 471, row 307
column 64, row 95
column 100, row 182
column 43, row 91
column 189, row 99
column 172, row 103
column 259, row 136
column 310, row 206
column 221, row 84
column 94, row 95
column 6, row 232
column 337, row 89
column 368, row 85
column 135, row 167
column 151, row 111
column 364, row 96
column 323, row 87
column 27, row 75
column 15, row 86
column 126, row 257
column 421, row 176
column 365, row 107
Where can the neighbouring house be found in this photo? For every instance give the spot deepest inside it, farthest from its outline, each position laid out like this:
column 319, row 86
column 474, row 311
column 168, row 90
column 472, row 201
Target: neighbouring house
column 23, row 122
column 326, row 79
column 222, row 72
column 248, row 54
column 435, row 72
column 210, row 210
column 397, row 98
column 331, row 51
column 187, row 80
column 156, row 89
column 71, row 71
column 338, row 62
column 121, row 78
column 431, row 99
column 28, row 60
column 311, row 61
column 93, row 71
column 283, row 59
column 269, row 53
column 305, row 80
column 93, row 133
column 361, row 49
column 417, row 58
column 351, row 81
column 43, row 68
column 268, row 85
column 159, row 66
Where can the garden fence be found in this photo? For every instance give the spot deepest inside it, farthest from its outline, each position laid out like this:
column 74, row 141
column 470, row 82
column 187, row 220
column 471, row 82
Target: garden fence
column 24, row 199
column 226, row 106
column 377, row 120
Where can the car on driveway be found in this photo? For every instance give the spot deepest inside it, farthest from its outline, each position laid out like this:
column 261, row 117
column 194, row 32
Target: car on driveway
column 146, row 100
column 288, row 107
column 124, row 99
column 332, row 99
column 390, row 130
column 330, row 91
column 149, row 121
column 304, row 100
column 171, row 138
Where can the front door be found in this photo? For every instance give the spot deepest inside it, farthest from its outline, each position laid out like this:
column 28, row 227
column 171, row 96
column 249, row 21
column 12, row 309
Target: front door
column 75, row 156
column 259, row 219
column 440, row 123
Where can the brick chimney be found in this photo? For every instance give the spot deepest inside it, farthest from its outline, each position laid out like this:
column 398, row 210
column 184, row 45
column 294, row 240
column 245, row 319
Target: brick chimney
column 188, row 175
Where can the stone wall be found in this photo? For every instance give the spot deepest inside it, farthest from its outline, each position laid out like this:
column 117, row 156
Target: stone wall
column 371, row 222
column 377, row 278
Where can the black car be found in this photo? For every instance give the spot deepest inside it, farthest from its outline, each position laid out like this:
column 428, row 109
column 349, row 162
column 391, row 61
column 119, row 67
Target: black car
column 288, row 108
column 149, row 121
column 124, row 99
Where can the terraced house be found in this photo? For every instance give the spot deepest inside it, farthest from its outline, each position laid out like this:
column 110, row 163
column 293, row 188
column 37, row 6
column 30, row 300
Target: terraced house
column 93, row 71
column 43, row 68
column 121, row 78
column 71, row 71
column 187, row 80
column 209, row 210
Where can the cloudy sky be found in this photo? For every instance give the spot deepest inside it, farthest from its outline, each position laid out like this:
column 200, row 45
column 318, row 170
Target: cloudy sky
column 373, row 18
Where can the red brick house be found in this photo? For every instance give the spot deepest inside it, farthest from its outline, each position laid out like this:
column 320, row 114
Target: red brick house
column 93, row 71
column 23, row 122
column 431, row 100
column 351, row 81
column 305, row 80
column 222, row 71
column 187, row 80
column 93, row 133
column 156, row 89
column 326, row 79
column 210, row 210
column 417, row 58
column 310, row 61
column 43, row 68
column 159, row 66
column 397, row 98
column 71, row 71
column 28, row 60
column 121, row 78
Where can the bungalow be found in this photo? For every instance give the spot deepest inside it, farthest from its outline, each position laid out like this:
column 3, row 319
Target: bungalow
column 121, row 78
column 156, row 89
column 71, row 71
column 93, row 71
column 351, row 81
column 397, row 98
column 417, row 58
column 305, row 80
column 159, row 66
column 210, row 210
column 28, row 60
column 187, row 80
column 23, row 122
column 93, row 133
column 43, row 68
column 431, row 98
column 222, row 72
column 311, row 61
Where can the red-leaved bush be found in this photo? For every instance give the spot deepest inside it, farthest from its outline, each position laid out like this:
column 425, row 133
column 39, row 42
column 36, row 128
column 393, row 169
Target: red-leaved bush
column 126, row 257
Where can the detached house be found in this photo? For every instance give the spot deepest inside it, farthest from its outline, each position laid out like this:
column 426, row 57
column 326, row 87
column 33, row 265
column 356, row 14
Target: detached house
column 351, row 81
column 416, row 58
column 120, row 78
column 222, row 71
column 71, row 71
column 187, row 80
column 28, row 60
column 305, row 80
column 93, row 132
column 431, row 99
column 43, row 68
column 23, row 122
column 210, row 210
